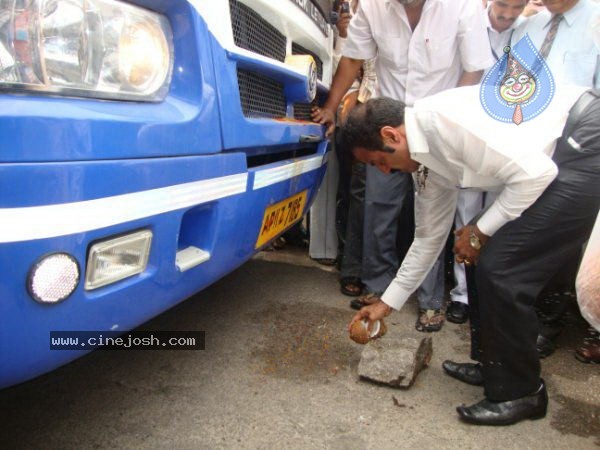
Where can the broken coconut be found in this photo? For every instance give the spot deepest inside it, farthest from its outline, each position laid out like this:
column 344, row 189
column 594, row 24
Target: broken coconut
column 364, row 330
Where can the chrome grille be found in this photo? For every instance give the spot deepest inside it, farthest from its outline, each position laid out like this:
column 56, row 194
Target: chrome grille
column 252, row 32
column 299, row 50
column 260, row 96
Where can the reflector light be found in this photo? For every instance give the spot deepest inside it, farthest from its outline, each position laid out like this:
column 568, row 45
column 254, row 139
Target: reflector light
column 116, row 259
column 53, row 278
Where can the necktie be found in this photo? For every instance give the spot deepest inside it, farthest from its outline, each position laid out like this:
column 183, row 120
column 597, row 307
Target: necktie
column 549, row 39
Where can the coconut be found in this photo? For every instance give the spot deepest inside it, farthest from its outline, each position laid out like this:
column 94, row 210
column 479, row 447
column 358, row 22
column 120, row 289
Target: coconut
column 363, row 331
column 382, row 330
column 359, row 332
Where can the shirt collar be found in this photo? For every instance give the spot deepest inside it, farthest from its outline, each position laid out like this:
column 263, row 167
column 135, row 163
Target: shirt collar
column 396, row 4
column 418, row 147
column 417, row 142
column 571, row 15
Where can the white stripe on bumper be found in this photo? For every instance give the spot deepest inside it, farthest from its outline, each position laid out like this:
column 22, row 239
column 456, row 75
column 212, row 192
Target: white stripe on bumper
column 40, row 222
column 267, row 177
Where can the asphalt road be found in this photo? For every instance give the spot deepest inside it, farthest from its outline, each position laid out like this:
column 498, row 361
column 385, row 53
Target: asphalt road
column 280, row 372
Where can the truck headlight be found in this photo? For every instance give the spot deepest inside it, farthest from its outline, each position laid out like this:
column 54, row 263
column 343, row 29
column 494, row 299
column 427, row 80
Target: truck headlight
column 92, row 48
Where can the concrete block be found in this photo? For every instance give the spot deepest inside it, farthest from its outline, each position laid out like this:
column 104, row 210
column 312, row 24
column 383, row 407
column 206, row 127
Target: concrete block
column 395, row 360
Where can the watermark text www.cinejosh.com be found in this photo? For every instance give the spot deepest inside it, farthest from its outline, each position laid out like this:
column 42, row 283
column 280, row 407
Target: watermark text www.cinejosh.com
column 117, row 340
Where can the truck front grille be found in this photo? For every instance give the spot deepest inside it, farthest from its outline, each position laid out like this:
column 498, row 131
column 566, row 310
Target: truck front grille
column 260, row 96
column 252, row 32
column 302, row 111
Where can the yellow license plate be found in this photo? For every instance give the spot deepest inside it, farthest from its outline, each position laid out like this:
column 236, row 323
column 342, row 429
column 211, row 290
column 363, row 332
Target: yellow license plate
column 280, row 216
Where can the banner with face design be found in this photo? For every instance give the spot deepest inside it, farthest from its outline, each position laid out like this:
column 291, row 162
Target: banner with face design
column 519, row 86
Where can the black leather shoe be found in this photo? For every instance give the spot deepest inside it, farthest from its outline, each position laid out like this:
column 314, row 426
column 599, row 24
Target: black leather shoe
column 545, row 346
column 457, row 312
column 487, row 412
column 466, row 372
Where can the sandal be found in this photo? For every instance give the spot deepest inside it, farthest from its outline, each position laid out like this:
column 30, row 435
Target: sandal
column 277, row 244
column 365, row 300
column 351, row 286
column 430, row 320
column 589, row 352
column 325, row 261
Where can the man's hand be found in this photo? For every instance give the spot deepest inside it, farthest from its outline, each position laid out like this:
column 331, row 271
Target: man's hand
column 324, row 116
column 345, row 75
column 373, row 312
column 342, row 23
column 464, row 251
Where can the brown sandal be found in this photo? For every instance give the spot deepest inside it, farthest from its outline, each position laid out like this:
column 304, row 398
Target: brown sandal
column 430, row 320
column 277, row 244
column 351, row 286
column 365, row 300
column 589, row 352
column 325, row 261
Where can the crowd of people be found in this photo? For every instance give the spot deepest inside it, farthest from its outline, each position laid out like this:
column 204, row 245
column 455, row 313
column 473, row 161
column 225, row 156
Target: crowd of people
column 483, row 119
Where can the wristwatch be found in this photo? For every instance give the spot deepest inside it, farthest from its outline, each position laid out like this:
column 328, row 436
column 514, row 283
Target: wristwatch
column 474, row 240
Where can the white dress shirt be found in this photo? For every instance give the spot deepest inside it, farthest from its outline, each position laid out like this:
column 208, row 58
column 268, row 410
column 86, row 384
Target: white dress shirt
column 575, row 54
column 450, row 37
column 463, row 147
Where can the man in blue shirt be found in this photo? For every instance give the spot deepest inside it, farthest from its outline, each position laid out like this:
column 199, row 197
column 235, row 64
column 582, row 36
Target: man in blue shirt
column 574, row 54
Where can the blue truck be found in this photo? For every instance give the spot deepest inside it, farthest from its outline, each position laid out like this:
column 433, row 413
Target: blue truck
column 149, row 147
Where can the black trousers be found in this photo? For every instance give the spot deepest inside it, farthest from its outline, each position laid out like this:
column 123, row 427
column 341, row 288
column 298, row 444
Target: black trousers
column 519, row 260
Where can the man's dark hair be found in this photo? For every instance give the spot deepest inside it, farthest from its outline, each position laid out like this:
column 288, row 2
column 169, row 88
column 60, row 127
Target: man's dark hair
column 364, row 122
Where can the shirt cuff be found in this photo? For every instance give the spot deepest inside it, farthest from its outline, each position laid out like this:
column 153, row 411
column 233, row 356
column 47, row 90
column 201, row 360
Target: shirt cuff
column 394, row 296
column 475, row 66
column 340, row 42
column 351, row 53
column 491, row 221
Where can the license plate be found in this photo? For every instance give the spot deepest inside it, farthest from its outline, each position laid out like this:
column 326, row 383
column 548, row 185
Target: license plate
column 280, row 216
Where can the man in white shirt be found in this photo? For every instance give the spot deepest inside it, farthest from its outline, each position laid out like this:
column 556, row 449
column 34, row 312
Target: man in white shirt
column 422, row 47
column 502, row 17
column 461, row 146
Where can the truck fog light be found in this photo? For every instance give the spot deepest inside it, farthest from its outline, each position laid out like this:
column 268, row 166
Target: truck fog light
column 53, row 278
column 115, row 259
